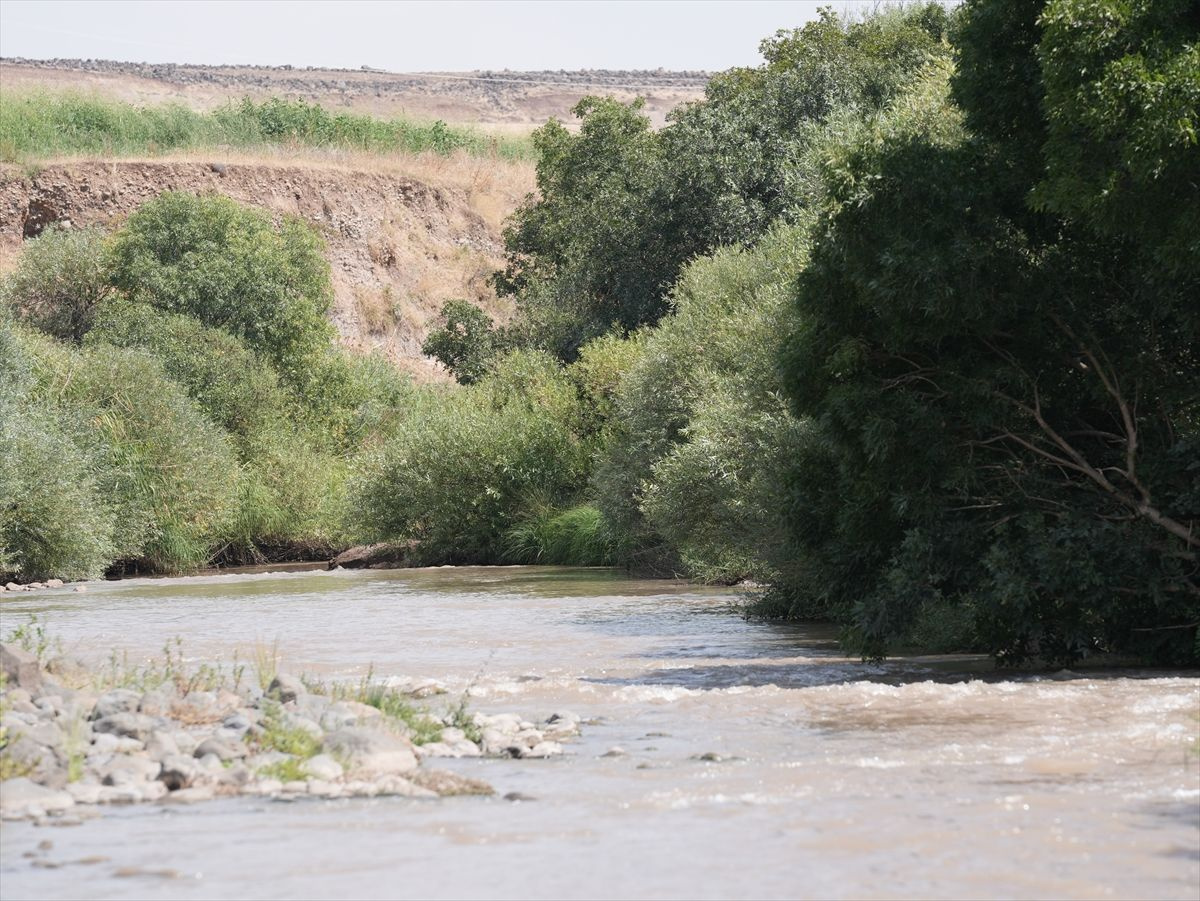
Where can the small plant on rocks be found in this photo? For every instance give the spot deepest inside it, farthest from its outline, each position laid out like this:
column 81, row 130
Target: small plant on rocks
column 277, row 735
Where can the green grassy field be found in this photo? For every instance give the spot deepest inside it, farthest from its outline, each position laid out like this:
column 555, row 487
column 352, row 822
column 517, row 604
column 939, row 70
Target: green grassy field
column 40, row 125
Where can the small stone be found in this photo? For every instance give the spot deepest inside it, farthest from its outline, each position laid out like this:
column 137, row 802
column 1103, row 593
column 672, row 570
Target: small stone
column 519, row 796
column 198, row 707
column 45, row 765
column 323, row 767
column 544, row 749
column 48, row 705
column 158, row 702
column 84, row 792
column 127, row 769
column 16, row 696
column 137, row 726
column 179, row 772
column 447, row 784
column 265, row 759
column 54, row 583
column 234, row 777
column 321, row 789
column 211, row 762
column 22, row 797
column 372, row 751
column 398, row 785
column 161, row 745
column 80, row 588
column 529, row 737
column 185, row 741
column 153, row 791
column 223, row 749
column 20, row 668
column 237, row 722
column 295, row 721
column 103, row 743
column 284, row 688
column 434, row 749
column 265, row 787
column 191, row 795
column 614, row 752
column 120, row 794
column 45, row 733
column 119, row 700
column 348, row 713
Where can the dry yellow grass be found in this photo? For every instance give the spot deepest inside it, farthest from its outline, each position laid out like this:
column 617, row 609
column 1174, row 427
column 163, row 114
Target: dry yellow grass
column 492, row 186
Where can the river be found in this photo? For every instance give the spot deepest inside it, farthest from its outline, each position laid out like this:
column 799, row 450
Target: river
column 758, row 761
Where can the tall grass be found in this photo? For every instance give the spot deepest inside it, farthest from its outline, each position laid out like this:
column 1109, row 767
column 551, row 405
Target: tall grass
column 579, row 536
column 40, row 124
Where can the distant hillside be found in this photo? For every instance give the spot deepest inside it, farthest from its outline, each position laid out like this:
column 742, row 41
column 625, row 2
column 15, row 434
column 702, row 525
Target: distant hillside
column 501, row 100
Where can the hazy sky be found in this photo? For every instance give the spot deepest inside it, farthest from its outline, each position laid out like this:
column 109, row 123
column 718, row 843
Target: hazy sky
column 405, row 36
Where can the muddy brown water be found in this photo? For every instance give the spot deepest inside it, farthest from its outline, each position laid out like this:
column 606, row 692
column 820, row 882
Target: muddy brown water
column 824, row 777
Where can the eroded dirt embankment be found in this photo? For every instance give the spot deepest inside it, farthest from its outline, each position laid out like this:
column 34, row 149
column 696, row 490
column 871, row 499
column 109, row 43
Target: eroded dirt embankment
column 399, row 244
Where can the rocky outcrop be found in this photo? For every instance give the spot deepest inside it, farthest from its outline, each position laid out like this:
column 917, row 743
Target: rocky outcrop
column 62, row 747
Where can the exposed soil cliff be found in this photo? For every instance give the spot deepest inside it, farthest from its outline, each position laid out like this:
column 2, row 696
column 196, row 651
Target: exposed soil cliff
column 400, row 244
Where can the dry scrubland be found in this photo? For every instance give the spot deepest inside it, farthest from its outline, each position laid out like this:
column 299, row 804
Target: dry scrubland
column 516, row 101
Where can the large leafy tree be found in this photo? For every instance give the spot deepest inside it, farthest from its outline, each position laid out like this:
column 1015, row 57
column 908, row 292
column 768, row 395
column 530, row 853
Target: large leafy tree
column 1000, row 360
column 621, row 208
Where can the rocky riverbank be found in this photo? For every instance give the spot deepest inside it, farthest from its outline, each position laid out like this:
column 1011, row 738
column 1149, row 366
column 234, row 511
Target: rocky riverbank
column 70, row 741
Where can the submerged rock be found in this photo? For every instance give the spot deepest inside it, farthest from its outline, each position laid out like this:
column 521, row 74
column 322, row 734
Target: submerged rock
column 375, row 556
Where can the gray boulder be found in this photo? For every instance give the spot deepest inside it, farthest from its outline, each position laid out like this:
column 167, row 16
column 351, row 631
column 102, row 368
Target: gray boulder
column 323, row 767
column 284, row 688
column 23, row 797
column 128, row 769
column 20, row 668
column 137, row 726
column 44, row 764
column 224, row 750
column 372, row 751
column 119, row 700
column 180, row 772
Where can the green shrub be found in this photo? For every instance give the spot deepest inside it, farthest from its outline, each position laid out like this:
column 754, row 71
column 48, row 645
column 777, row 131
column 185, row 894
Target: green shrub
column 462, row 466
column 61, row 281
column 227, row 380
column 289, row 493
column 53, row 519
column 714, row 496
column 168, row 473
column 698, row 428
column 229, row 267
